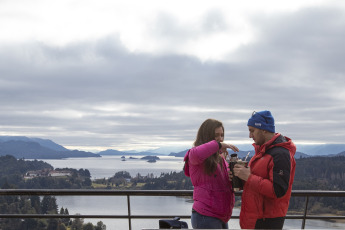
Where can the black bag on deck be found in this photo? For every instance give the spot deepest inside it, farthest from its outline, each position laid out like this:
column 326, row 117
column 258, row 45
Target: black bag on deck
column 172, row 224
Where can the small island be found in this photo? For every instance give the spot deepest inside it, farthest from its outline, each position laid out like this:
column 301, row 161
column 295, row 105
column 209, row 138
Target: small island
column 150, row 159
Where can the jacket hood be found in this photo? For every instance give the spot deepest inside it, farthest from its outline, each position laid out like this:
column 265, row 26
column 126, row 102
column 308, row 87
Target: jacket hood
column 277, row 140
column 285, row 142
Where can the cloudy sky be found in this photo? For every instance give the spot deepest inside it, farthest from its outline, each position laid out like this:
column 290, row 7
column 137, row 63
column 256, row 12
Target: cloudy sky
column 96, row 75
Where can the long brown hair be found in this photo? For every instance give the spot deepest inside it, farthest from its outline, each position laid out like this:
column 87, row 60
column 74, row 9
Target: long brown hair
column 206, row 133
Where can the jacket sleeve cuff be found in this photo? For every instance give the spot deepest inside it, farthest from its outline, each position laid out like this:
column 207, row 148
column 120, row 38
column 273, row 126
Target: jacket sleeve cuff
column 219, row 144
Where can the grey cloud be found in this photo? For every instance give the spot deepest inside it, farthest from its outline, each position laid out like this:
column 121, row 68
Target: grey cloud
column 301, row 50
column 309, row 38
column 168, row 31
column 214, row 22
column 123, row 77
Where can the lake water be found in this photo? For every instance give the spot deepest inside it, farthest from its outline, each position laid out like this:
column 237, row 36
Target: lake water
column 107, row 166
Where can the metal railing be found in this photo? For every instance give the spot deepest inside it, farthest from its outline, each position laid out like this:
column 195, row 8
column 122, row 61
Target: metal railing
column 129, row 193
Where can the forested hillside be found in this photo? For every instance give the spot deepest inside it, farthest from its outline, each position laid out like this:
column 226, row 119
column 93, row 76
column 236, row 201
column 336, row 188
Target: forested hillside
column 13, row 171
column 13, row 176
column 320, row 173
column 324, row 173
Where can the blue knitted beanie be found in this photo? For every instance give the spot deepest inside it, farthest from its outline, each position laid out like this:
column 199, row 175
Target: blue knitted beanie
column 262, row 120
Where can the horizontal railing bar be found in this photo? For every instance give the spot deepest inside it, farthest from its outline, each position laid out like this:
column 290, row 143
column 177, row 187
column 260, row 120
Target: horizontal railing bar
column 325, row 217
column 95, row 192
column 144, row 216
column 91, row 216
column 318, row 193
column 313, row 217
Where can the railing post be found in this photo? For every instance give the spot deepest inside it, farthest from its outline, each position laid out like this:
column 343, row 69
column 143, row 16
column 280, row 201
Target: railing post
column 129, row 213
column 305, row 212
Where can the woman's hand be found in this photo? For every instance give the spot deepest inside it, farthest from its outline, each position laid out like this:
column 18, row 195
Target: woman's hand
column 228, row 146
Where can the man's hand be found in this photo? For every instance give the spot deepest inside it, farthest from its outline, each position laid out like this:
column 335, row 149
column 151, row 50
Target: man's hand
column 241, row 172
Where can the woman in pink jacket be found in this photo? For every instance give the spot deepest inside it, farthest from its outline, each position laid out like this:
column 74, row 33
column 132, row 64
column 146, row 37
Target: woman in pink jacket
column 208, row 170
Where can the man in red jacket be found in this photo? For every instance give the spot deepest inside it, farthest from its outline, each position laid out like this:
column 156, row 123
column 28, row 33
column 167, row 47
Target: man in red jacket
column 269, row 177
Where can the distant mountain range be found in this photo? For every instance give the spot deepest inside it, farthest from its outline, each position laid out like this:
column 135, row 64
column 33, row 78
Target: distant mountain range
column 43, row 142
column 331, row 149
column 36, row 148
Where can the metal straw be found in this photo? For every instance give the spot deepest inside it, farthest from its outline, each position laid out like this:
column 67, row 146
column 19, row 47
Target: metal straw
column 247, row 156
